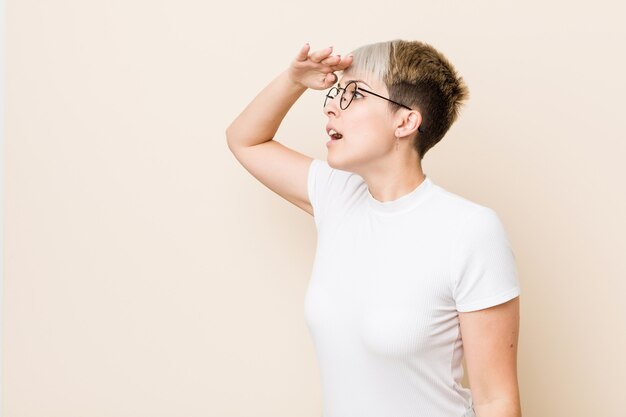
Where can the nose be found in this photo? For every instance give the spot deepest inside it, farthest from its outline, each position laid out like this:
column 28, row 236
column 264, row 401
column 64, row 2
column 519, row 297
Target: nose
column 332, row 106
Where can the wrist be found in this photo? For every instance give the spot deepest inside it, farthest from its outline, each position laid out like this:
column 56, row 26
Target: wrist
column 294, row 83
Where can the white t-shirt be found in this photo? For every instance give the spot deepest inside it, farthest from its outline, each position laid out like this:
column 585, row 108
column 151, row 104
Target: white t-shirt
column 388, row 281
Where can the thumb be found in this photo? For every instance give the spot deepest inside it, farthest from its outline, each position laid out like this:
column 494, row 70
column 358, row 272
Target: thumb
column 330, row 79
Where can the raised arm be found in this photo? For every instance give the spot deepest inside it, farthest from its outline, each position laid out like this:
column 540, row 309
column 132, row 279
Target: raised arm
column 250, row 136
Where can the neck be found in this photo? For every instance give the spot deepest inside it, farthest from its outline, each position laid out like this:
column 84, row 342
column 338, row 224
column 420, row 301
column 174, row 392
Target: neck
column 394, row 177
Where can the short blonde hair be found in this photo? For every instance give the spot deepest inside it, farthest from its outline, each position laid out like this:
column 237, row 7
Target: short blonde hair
column 419, row 76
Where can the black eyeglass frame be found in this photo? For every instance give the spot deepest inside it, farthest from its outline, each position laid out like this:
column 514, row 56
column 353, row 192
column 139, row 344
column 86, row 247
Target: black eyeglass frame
column 357, row 88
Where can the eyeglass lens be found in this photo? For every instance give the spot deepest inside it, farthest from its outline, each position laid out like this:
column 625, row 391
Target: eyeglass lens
column 347, row 95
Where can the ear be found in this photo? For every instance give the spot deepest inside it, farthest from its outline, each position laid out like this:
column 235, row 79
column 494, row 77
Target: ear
column 408, row 123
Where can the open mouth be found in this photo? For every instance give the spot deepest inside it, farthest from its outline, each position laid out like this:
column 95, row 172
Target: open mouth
column 334, row 135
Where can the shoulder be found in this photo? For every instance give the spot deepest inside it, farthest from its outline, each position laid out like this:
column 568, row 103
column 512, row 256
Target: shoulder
column 459, row 208
column 467, row 221
column 331, row 191
column 320, row 167
column 323, row 176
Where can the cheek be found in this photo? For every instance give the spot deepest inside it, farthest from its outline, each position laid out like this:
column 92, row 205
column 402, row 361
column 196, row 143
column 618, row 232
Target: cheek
column 373, row 128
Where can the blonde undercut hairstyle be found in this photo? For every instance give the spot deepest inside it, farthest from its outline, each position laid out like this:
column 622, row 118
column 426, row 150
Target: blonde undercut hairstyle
column 420, row 77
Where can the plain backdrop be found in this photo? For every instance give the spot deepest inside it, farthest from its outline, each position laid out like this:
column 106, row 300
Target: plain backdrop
column 147, row 273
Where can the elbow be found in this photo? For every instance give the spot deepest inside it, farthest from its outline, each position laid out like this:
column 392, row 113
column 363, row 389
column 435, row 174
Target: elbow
column 228, row 132
column 229, row 136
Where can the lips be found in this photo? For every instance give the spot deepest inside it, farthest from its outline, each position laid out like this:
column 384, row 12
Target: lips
column 334, row 135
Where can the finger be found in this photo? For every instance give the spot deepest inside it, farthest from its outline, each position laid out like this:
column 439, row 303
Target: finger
column 318, row 56
column 331, row 60
column 304, row 53
column 343, row 64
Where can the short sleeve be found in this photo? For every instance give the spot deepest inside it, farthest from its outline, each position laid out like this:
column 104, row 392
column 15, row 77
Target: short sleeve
column 331, row 191
column 483, row 266
column 317, row 186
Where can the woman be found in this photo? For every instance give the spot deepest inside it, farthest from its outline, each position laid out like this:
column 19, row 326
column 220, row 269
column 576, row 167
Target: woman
column 408, row 278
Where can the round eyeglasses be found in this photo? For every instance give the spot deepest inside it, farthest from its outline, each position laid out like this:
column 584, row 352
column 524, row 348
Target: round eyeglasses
column 350, row 91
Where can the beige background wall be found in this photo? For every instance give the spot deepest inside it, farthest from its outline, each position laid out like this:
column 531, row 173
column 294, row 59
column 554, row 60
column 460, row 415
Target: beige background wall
column 148, row 274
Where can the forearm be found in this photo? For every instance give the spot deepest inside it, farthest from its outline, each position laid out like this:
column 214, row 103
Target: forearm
column 260, row 120
column 498, row 408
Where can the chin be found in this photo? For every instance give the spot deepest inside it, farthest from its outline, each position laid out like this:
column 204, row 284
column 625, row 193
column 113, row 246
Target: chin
column 341, row 164
column 332, row 162
column 335, row 163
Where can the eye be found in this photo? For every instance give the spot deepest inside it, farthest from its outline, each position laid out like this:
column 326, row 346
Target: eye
column 356, row 93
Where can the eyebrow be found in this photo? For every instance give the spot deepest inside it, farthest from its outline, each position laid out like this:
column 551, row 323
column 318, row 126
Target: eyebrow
column 358, row 81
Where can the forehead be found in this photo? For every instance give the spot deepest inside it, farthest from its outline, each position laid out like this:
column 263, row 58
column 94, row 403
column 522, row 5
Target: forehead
column 364, row 80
